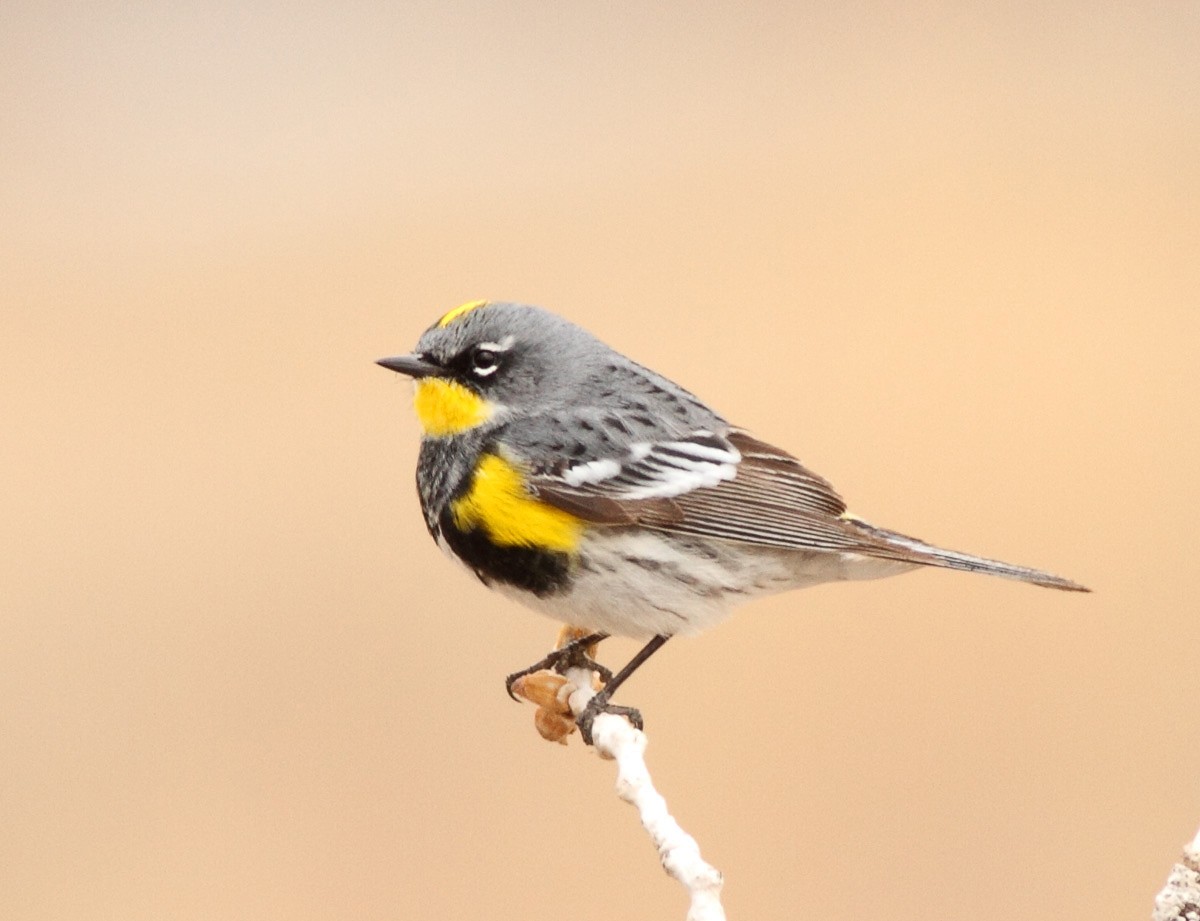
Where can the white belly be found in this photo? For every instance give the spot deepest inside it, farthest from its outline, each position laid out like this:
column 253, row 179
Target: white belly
column 642, row 583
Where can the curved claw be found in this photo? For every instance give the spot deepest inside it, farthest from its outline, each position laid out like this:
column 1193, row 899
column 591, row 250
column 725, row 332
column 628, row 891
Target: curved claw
column 572, row 654
column 510, row 681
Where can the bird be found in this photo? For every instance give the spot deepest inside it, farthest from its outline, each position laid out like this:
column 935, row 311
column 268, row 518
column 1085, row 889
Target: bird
column 594, row 490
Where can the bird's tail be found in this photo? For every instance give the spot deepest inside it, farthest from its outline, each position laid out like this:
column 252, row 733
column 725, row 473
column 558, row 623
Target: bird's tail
column 892, row 545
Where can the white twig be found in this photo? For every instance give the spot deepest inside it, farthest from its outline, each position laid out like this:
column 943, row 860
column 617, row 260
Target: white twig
column 613, row 737
column 1180, row 897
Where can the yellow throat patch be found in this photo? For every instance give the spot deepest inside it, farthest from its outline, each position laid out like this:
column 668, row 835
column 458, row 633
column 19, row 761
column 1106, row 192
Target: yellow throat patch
column 498, row 503
column 459, row 311
column 447, row 408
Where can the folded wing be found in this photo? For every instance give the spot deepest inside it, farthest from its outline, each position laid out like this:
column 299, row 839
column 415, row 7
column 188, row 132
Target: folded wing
column 734, row 487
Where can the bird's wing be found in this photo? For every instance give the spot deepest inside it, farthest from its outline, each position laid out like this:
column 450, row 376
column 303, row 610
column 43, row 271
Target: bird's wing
column 729, row 486
column 735, row 487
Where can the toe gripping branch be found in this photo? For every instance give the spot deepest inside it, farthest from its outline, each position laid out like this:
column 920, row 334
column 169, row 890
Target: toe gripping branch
column 578, row 654
column 570, row 655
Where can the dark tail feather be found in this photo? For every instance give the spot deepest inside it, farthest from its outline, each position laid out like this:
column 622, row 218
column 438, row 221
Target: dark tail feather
column 894, row 546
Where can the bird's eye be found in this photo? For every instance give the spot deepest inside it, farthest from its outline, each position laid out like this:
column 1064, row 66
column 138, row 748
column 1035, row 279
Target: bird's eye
column 484, row 361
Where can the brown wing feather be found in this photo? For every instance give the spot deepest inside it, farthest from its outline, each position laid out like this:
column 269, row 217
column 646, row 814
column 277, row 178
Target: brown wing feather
column 598, row 508
column 768, row 475
column 773, row 501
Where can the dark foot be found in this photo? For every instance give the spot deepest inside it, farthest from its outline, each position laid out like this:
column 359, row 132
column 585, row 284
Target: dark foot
column 599, row 704
column 572, row 655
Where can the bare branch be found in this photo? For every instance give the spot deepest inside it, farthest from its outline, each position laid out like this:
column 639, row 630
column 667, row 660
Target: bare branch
column 1179, row 899
column 614, row 738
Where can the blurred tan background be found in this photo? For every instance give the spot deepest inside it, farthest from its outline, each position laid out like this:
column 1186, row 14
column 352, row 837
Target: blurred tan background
column 947, row 255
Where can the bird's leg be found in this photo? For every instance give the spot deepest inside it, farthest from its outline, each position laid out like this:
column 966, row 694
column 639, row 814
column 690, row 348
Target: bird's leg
column 600, row 703
column 571, row 654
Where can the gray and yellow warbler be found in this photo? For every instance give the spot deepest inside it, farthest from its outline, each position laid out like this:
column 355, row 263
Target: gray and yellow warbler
column 588, row 487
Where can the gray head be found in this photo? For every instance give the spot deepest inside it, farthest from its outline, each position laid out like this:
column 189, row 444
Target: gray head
column 510, row 354
column 484, row 356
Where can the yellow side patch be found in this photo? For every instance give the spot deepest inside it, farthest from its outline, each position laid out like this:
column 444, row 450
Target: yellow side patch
column 447, row 408
column 498, row 503
column 459, row 311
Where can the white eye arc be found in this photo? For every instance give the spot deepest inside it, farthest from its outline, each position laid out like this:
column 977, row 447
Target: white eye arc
column 485, row 358
column 484, row 362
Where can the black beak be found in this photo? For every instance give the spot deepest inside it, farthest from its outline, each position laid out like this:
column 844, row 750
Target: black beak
column 415, row 365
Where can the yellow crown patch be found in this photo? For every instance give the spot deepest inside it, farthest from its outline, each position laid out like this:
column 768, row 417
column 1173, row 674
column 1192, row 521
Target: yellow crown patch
column 460, row 311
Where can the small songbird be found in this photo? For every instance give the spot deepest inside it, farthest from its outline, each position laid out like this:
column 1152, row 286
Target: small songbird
column 595, row 491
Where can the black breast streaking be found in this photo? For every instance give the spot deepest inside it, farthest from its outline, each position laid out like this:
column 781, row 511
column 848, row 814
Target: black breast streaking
column 444, row 474
column 542, row 572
